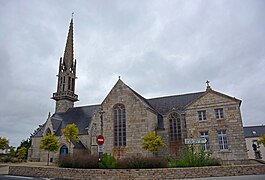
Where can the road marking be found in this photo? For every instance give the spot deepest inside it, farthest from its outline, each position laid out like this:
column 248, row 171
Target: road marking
column 20, row 177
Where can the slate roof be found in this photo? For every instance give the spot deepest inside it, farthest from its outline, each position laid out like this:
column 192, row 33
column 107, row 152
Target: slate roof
column 82, row 116
column 143, row 99
column 165, row 104
column 39, row 131
column 254, row 131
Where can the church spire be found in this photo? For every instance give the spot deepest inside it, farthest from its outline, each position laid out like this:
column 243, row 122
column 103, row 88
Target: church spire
column 68, row 59
column 65, row 95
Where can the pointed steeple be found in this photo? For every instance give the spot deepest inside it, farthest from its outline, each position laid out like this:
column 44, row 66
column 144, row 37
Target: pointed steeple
column 68, row 59
column 65, row 95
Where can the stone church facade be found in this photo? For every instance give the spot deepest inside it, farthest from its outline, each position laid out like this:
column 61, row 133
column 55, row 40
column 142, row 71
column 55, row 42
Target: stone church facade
column 124, row 117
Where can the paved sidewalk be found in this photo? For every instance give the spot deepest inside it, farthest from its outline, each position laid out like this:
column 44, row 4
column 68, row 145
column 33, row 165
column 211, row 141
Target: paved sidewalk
column 4, row 168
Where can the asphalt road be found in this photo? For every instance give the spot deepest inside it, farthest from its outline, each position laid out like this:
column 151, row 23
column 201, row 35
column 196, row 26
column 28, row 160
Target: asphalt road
column 249, row 177
column 252, row 177
column 10, row 177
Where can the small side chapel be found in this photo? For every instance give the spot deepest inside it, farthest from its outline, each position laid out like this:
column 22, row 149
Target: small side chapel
column 125, row 117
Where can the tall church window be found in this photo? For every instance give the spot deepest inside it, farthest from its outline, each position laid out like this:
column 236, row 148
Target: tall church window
column 174, row 127
column 119, row 125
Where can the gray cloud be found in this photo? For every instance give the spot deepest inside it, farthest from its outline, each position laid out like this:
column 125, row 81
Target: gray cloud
column 158, row 48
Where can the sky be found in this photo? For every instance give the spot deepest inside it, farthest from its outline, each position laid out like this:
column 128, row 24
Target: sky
column 158, row 48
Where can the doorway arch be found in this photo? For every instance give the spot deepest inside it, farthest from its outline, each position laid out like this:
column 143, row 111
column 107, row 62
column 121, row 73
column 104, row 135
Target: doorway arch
column 63, row 150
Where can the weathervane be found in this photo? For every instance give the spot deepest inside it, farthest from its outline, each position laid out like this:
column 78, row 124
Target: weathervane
column 72, row 15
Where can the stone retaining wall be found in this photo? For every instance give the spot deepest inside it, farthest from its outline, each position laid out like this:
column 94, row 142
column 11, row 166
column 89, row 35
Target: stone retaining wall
column 142, row 174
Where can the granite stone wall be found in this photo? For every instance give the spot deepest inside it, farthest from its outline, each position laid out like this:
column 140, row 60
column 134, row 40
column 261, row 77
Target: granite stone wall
column 164, row 173
column 231, row 123
column 140, row 120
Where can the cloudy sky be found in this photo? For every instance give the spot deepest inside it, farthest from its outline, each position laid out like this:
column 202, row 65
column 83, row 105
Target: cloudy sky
column 157, row 47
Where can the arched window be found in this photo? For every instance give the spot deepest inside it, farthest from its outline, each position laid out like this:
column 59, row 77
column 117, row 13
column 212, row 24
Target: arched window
column 48, row 131
column 174, row 127
column 119, row 125
column 63, row 150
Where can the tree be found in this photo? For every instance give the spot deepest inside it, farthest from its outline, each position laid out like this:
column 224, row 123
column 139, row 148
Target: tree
column 21, row 153
column 49, row 143
column 70, row 132
column 25, row 143
column 152, row 142
column 3, row 143
column 262, row 140
column 12, row 151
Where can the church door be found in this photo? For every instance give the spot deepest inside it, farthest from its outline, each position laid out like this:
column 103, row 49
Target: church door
column 63, row 150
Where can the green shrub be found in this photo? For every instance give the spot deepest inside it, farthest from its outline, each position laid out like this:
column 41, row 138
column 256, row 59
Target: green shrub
column 22, row 153
column 191, row 157
column 6, row 159
column 139, row 162
column 172, row 162
column 108, row 162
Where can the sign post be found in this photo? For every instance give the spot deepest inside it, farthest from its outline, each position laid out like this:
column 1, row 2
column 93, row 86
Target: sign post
column 195, row 141
column 100, row 142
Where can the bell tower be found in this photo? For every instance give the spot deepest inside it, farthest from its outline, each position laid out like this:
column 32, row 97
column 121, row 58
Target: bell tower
column 65, row 95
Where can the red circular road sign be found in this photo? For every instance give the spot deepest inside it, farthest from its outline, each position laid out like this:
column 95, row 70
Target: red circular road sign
column 100, row 140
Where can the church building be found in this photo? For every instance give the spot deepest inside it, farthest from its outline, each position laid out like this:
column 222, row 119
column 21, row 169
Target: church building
column 124, row 117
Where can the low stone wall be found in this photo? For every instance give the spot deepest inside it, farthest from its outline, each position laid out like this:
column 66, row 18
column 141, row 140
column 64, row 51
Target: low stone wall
column 163, row 173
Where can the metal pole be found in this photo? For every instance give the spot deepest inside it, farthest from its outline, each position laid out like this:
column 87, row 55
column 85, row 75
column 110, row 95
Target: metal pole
column 101, row 112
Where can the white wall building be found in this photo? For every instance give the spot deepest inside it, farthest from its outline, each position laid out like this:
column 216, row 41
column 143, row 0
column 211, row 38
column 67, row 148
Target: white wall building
column 252, row 134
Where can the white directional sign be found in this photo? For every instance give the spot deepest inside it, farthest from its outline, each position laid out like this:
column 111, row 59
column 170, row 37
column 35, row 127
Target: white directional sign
column 195, row 141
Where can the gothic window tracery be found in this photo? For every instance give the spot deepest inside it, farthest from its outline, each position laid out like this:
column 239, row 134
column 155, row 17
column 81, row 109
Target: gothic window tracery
column 119, row 125
column 174, row 127
column 48, row 131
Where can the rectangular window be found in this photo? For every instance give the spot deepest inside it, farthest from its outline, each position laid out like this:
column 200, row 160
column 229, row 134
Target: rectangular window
column 222, row 138
column 202, row 115
column 205, row 135
column 219, row 113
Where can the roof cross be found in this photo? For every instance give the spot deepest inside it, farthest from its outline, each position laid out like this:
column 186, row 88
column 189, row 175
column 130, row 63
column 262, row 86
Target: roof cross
column 208, row 85
column 208, row 82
